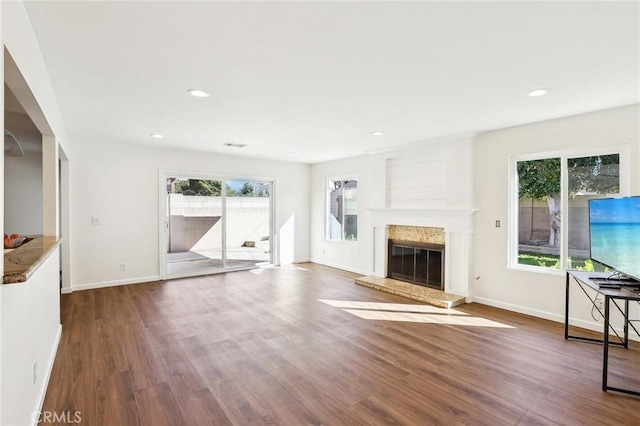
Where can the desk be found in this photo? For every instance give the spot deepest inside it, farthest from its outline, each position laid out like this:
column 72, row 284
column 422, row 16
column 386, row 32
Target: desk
column 585, row 279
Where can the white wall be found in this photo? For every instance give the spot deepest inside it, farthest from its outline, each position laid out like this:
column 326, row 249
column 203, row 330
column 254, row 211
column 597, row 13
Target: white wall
column 19, row 39
column 533, row 293
column 23, row 194
column 118, row 183
column 355, row 256
column 1, row 208
column 30, row 320
column 448, row 194
column 30, row 333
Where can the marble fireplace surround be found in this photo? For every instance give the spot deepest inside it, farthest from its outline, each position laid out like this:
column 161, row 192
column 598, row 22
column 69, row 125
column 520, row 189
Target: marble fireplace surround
column 451, row 227
column 416, row 234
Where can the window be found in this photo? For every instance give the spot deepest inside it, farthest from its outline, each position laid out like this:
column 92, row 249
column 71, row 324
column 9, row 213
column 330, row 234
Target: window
column 552, row 194
column 342, row 209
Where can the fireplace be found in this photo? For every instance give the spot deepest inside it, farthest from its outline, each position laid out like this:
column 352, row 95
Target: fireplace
column 417, row 263
column 451, row 228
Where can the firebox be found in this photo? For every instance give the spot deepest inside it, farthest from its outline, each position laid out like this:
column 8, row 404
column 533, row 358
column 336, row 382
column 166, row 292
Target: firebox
column 416, row 263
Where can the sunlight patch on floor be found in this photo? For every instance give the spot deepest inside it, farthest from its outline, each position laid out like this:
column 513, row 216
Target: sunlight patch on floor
column 264, row 266
column 402, row 312
column 426, row 318
column 395, row 307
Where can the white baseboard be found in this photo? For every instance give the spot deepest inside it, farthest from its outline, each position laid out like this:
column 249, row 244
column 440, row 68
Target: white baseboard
column 115, row 283
column 343, row 267
column 45, row 382
column 589, row 325
column 520, row 309
column 303, row 260
column 66, row 290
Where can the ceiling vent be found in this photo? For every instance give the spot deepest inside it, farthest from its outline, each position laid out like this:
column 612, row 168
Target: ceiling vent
column 235, row 145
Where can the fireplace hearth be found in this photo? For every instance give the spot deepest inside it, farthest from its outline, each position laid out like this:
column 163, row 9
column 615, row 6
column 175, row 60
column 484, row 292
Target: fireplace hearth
column 416, row 263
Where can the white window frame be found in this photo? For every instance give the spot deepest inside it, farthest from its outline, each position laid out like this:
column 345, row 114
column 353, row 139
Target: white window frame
column 327, row 236
column 623, row 150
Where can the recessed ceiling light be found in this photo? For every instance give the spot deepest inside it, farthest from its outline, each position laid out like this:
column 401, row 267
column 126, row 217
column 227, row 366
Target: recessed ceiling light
column 377, row 133
column 198, row 93
column 235, row 145
column 156, row 135
column 538, row 92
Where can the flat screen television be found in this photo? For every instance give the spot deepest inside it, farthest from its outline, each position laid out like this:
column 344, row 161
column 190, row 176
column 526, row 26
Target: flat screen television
column 614, row 228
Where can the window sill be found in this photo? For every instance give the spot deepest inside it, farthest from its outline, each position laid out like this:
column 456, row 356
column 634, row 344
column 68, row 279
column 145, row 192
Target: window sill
column 341, row 242
column 537, row 270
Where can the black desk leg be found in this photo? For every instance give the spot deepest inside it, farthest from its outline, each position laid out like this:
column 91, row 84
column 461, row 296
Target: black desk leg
column 626, row 323
column 605, row 361
column 566, row 311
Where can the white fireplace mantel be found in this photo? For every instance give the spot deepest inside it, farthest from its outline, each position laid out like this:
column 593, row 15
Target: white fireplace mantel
column 458, row 226
column 453, row 220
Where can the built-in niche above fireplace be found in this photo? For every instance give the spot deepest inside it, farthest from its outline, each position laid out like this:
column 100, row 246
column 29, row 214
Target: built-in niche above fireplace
column 417, row 263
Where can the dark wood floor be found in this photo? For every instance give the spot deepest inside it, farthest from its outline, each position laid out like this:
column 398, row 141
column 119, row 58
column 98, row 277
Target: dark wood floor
column 253, row 348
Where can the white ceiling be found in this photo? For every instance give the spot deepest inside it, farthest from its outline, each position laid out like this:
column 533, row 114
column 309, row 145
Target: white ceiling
column 317, row 78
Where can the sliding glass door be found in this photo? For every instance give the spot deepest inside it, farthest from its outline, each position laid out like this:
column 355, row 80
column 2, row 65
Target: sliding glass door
column 248, row 219
column 213, row 225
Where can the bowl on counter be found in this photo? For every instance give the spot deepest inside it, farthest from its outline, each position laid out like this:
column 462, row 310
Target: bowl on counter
column 14, row 240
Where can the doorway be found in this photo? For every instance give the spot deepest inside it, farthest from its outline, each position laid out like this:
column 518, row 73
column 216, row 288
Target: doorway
column 211, row 225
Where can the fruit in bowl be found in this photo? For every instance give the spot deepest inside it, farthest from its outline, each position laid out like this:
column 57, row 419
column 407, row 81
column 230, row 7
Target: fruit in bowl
column 13, row 240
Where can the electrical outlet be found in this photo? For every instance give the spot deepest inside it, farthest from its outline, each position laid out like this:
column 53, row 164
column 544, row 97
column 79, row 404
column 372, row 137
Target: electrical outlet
column 498, row 223
column 35, row 372
column 600, row 304
column 123, row 266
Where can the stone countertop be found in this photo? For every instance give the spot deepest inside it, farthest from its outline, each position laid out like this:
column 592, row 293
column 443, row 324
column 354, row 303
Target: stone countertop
column 22, row 262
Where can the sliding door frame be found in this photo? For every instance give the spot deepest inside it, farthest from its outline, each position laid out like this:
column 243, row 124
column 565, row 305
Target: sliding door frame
column 163, row 220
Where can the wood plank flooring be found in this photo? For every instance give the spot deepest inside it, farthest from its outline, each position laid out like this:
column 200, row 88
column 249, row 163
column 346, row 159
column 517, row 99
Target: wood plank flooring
column 296, row 346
